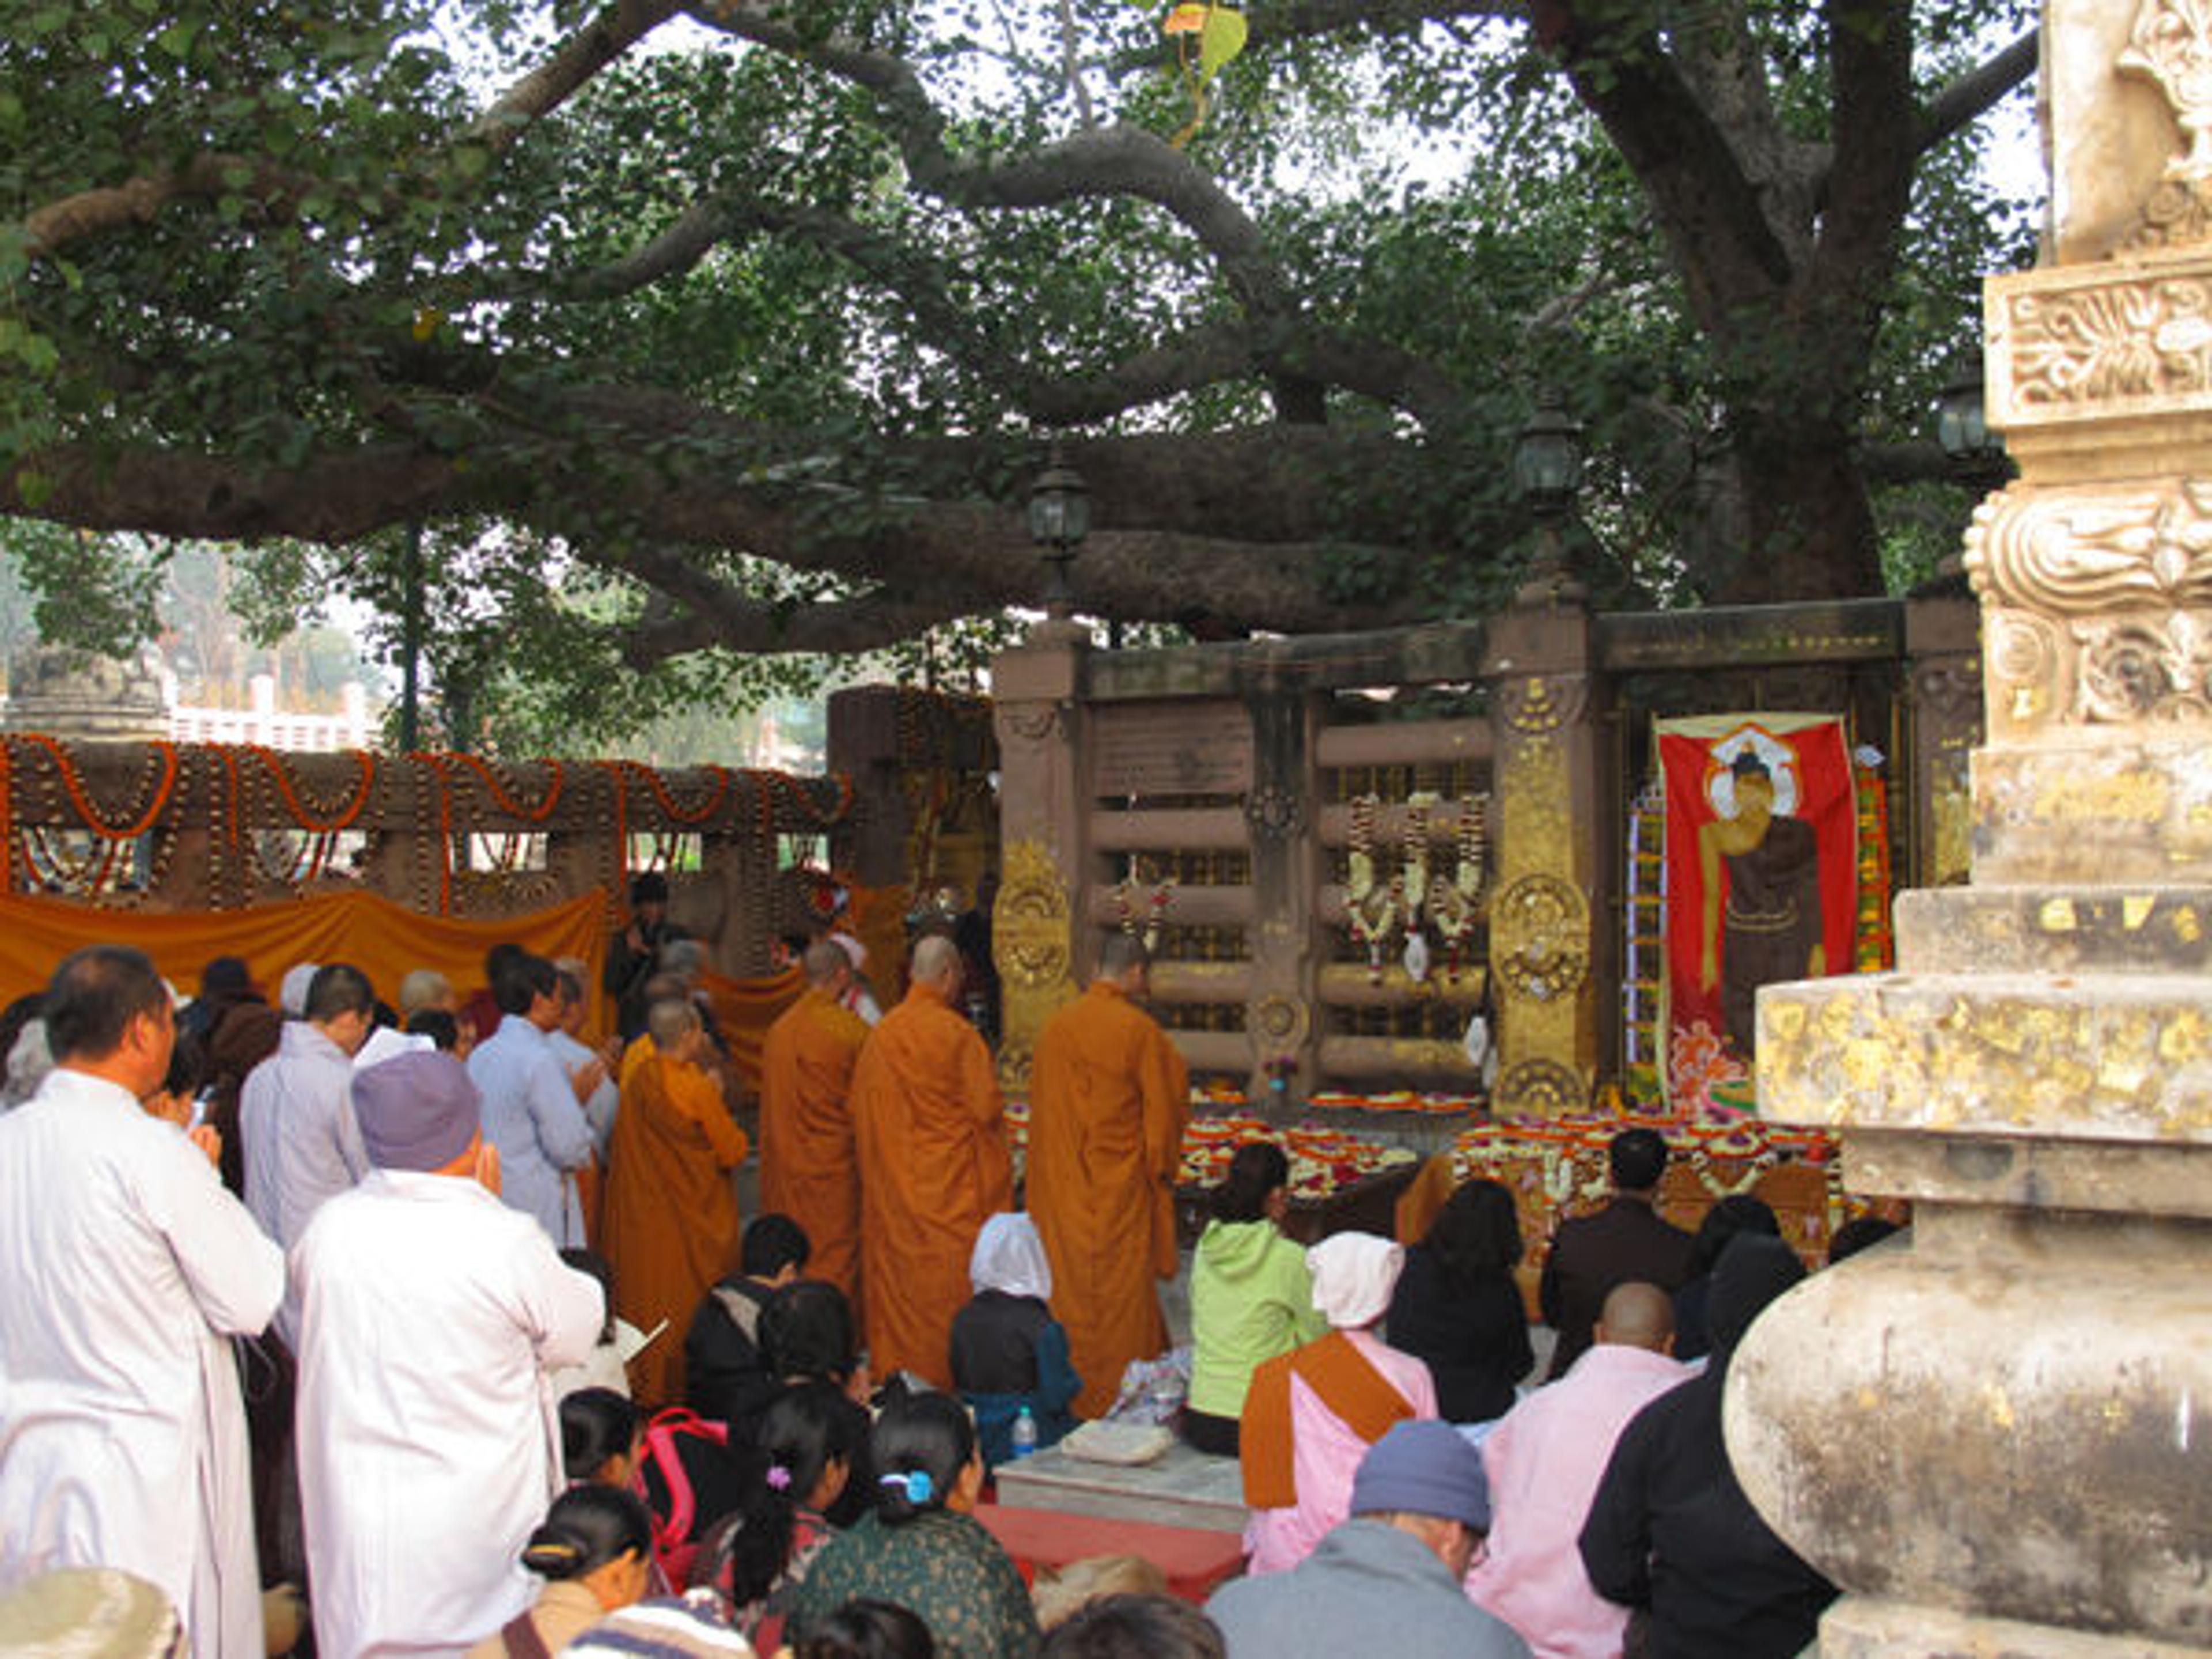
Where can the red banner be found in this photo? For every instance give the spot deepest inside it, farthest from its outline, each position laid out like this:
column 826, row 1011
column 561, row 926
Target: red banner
column 1762, row 884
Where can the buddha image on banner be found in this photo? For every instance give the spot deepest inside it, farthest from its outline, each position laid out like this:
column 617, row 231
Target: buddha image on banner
column 1761, row 883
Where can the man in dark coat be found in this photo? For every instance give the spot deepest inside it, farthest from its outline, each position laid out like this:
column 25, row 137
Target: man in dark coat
column 1670, row 1529
column 1624, row 1242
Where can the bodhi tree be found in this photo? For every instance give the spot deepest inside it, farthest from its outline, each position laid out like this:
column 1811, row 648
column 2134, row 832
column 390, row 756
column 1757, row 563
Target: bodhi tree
column 743, row 326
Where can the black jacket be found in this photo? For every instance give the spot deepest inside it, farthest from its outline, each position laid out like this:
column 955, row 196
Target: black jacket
column 1624, row 1242
column 1671, row 1529
column 724, row 1377
column 1473, row 1341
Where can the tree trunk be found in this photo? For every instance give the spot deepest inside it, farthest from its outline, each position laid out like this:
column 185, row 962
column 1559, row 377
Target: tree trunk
column 1809, row 528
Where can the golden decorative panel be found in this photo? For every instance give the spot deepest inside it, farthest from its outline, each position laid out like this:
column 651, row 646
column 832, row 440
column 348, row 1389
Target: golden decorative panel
column 1032, row 944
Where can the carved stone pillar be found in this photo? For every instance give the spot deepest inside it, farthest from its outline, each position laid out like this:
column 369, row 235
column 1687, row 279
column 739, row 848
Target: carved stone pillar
column 1942, row 643
column 1286, row 869
column 1043, row 826
column 1554, row 877
column 1997, row 1437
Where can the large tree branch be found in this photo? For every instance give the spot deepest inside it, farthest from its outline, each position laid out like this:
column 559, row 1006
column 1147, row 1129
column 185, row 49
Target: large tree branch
column 1870, row 71
column 1709, row 207
column 582, row 56
column 704, row 612
column 139, row 200
column 1970, row 97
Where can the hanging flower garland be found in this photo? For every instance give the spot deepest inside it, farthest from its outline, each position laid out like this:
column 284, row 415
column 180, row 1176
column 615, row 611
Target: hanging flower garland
column 164, row 755
column 1371, row 909
column 436, row 764
column 330, row 820
column 556, row 777
column 1126, row 894
column 694, row 817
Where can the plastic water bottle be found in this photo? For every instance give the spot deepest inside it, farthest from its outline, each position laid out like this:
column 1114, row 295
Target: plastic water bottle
column 1024, row 1434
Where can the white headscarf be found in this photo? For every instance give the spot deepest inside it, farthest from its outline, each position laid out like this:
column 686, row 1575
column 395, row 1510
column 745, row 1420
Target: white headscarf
column 291, row 989
column 1009, row 1257
column 1353, row 1274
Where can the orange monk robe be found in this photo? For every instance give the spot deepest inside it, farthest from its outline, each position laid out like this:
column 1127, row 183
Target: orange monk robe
column 1108, row 1097
column 932, row 1136
column 670, row 1223
column 806, row 1132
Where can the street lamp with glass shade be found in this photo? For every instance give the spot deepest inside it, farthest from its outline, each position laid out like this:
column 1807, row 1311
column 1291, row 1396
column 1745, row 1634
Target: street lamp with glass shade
column 1548, row 471
column 1060, row 518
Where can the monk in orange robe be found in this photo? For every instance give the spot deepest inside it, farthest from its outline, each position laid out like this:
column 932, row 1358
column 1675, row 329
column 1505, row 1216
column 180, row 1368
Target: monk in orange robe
column 932, row 1136
column 1108, row 1097
column 806, row 1118
column 670, row 1224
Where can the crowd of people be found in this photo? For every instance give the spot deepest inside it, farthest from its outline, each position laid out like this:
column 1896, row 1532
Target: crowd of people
column 430, row 1327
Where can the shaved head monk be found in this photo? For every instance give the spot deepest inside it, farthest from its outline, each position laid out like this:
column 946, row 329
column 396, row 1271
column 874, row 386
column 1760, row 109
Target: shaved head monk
column 671, row 1223
column 806, row 1118
column 932, row 1137
column 1108, row 1097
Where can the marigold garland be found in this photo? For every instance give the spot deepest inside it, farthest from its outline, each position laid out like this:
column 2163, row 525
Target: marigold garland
column 346, row 815
column 507, row 803
column 676, row 815
column 81, row 799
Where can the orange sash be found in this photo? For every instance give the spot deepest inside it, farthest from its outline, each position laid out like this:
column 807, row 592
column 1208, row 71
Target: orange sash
column 1360, row 1396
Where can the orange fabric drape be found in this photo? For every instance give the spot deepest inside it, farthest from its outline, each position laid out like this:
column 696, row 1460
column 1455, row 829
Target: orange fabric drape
column 1424, row 1199
column 744, row 1009
column 1360, row 1396
column 383, row 939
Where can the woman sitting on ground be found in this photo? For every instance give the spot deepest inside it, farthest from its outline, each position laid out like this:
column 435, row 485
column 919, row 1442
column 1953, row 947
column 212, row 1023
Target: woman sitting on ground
column 1009, row 1353
column 595, row 1553
column 1250, row 1296
column 604, row 1442
column 1458, row 1308
column 808, row 1334
column 757, row 1557
column 1739, row 1213
column 920, row 1547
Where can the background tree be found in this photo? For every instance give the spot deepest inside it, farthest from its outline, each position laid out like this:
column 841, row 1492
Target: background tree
column 742, row 327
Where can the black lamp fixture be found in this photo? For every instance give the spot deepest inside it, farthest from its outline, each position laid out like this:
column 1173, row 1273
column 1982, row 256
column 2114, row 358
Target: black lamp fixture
column 1060, row 518
column 1548, row 471
column 1962, row 427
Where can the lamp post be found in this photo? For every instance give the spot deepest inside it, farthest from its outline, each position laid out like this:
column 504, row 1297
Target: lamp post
column 1547, row 470
column 1060, row 518
column 1978, row 456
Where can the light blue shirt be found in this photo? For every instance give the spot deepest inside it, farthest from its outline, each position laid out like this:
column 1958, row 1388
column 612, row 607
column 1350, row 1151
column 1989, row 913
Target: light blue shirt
column 531, row 1115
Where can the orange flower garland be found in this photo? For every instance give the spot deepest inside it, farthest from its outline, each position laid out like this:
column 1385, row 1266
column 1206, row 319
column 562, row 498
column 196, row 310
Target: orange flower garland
column 507, row 803
column 345, row 817
column 82, row 800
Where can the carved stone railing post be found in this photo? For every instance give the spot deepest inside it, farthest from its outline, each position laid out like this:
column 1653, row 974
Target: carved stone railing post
column 1286, row 873
column 1996, row 1438
column 1043, row 823
column 1943, row 690
column 1553, row 880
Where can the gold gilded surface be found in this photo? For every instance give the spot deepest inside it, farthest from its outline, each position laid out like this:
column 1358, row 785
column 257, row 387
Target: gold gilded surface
column 2008, row 1055
column 2074, row 797
column 1032, row 946
column 1537, row 846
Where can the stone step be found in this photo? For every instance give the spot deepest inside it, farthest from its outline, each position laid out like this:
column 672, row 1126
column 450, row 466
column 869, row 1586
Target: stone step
column 1182, row 1488
column 2136, row 929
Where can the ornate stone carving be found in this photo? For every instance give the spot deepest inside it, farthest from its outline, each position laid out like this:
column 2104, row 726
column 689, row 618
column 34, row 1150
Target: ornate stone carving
column 1540, row 939
column 2172, row 44
column 1277, row 1025
column 2132, row 668
column 1273, row 812
column 1539, row 1088
column 2083, row 551
column 1542, row 704
column 2073, row 345
column 1029, row 722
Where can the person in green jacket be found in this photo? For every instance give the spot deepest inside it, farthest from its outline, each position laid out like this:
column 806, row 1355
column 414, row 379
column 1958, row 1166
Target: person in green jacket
column 1250, row 1296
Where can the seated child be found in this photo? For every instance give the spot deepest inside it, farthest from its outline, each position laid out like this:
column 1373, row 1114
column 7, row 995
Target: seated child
column 1008, row 1351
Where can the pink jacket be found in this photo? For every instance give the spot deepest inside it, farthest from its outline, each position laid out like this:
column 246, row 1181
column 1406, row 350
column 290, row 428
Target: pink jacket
column 1545, row 1459
column 1324, row 1456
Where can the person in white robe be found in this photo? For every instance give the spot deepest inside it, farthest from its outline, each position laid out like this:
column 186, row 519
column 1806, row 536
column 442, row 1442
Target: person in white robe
column 428, row 1441
column 129, row 1268
column 530, row 1112
column 591, row 1073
